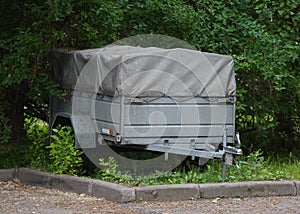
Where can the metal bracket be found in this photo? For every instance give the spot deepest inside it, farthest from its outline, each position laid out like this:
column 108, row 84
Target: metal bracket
column 187, row 152
column 237, row 136
column 230, row 152
column 228, row 159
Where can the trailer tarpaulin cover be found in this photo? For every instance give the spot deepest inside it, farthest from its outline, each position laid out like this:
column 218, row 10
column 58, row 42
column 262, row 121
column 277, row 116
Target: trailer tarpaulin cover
column 137, row 71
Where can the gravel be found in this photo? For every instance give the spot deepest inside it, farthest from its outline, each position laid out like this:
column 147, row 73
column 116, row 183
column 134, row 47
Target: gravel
column 16, row 197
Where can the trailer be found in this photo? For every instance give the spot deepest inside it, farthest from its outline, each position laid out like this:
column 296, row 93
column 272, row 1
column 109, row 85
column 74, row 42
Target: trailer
column 173, row 101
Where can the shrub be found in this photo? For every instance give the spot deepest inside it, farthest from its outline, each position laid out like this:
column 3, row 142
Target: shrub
column 65, row 158
column 38, row 135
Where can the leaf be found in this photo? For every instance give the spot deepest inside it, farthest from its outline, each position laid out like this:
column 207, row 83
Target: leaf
column 216, row 200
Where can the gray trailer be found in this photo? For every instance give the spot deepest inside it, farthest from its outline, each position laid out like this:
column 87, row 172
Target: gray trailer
column 174, row 101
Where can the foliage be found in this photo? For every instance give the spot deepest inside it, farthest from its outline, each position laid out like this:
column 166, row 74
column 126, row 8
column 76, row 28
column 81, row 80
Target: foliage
column 5, row 129
column 254, row 167
column 12, row 156
column 250, row 168
column 34, row 154
column 65, row 158
column 109, row 172
column 60, row 157
column 38, row 135
column 289, row 164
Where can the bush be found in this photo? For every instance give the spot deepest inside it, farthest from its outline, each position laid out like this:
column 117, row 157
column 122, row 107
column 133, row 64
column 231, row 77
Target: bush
column 12, row 156
column 5, row 129
column 38, row 136
column 65, row 158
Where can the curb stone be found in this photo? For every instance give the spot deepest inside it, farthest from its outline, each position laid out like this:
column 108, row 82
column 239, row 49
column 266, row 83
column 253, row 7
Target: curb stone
column 297, row 184
column 246, row 189
column 109, row 191
column 70, row 183
column 7, row 174
column 33, row 177
column 174, row 192
column 112, row 192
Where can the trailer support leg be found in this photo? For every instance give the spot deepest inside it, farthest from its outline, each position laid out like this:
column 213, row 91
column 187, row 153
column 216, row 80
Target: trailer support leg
column 224, row 170
column 166, row 156
column 224, row 157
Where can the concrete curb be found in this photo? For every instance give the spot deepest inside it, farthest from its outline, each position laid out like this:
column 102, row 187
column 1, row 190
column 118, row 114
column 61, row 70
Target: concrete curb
column 7, row 174
column 109, row 191
column 172, row 192
column 247, row 189
column 297, row 185
column 119, row 193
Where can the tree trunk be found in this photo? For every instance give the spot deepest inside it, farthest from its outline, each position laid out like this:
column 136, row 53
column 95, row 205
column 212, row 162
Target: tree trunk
column 15, row 113
column 285, row 132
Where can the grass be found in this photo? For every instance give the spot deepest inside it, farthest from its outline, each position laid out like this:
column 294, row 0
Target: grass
column 253, row 167
column 294, row 170
column 290, row 165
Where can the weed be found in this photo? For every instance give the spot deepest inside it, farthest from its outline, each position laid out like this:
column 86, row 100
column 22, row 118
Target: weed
column 249, row 168
column 255, row 167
